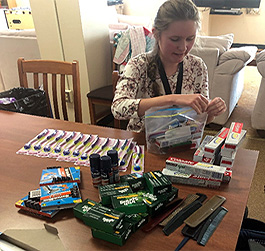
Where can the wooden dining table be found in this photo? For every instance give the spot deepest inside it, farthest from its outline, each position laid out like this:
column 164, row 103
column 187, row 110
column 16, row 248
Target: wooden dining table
column 21, row 174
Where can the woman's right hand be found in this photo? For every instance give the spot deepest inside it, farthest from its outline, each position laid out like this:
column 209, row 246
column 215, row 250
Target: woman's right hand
column 197, row 101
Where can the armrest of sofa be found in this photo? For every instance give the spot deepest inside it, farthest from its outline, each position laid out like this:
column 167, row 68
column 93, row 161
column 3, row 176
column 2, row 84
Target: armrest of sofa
column 235, row 59
column 260, row 59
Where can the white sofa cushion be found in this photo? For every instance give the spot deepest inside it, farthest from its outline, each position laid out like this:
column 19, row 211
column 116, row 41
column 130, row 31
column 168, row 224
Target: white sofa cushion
column 222, row 42
column 244, row 53
column 230, row 67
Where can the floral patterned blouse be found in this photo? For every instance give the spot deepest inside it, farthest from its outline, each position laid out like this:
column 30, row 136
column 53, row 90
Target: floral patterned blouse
column 135, row 84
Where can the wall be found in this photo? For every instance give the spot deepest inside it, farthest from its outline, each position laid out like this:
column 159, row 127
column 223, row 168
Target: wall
column 75, row 30
column 247, row 28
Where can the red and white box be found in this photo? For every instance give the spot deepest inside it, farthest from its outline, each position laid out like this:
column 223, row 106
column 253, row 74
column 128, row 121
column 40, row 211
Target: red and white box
column 197, row 168
column 216, row 143
column 198, row 155
column 234, row 136
column 191, row 179
column 228, row 162
column 208, row 160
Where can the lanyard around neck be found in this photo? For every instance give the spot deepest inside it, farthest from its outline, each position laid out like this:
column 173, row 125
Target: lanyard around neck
column 164, row 79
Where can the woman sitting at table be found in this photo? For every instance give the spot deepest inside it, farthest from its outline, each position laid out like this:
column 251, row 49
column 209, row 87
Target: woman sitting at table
column 168, row 75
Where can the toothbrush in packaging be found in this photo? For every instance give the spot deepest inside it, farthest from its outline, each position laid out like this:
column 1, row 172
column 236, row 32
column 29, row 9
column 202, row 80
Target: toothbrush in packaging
column 32, row 142
column 138, row 159
column 48, row 148
column 67, row 151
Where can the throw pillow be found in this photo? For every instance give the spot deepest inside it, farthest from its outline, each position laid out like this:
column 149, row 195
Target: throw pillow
column 222, row 42
column 244, row 53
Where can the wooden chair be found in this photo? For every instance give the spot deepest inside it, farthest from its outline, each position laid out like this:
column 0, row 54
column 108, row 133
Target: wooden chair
column 54, row 75
column 103, row 96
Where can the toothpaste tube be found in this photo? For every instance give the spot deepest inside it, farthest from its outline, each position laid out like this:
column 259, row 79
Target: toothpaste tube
column 216, row 143
column 197, row 168
column 198, row 155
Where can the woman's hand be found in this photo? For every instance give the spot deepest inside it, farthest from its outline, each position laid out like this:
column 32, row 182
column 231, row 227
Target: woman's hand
column 197, row 101
column 216, row 107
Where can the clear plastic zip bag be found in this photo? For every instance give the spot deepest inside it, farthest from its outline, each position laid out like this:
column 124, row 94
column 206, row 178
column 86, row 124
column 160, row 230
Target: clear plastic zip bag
column 170, row 129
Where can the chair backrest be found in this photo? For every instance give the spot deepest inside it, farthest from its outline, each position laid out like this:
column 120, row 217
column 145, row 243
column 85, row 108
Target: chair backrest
column 52, row 75
column 115, row 78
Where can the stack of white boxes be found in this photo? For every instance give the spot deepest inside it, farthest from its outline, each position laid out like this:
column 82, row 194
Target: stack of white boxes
column 221, row 149
column 229, row 149
column 212, row 148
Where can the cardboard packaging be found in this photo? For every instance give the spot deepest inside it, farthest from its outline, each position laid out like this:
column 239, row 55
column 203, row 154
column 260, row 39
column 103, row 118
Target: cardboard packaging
column 107, row 191
column 199, row 153
column 33, row 239
column 216, row 143
column 104, row 219
column 205, row 170
column 129, row 204
column 191, row 179
column 157, row 183
column 119, row 237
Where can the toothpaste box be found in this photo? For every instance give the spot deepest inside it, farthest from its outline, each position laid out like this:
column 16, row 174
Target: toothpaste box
column 227, row 176
column 129, row 204
column 191, row 179
column 216, row 143
column 233, row 136
column 119, row 237
column 240, row 137
column 103, row 218
column 157, row 183
column 199, row 153
column 228, row 162
column 196, row 168
column 107, row 191
column 208, row 160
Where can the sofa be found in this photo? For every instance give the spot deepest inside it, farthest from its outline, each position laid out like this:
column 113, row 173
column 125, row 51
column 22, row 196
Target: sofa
column 225, row 69
column 15, row 44
column 258, row 115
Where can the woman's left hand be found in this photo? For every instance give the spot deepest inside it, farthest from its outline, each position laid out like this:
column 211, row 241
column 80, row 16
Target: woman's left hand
column 216, row 107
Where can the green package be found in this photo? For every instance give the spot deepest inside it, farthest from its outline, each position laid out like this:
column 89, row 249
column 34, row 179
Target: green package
column 105, row 219
column 129, row 204
column 137, row 220
column 156, row 203
column 157, row 183
column 107, row 191
column 118, row 237
column 135, row 180
column 82, row 208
